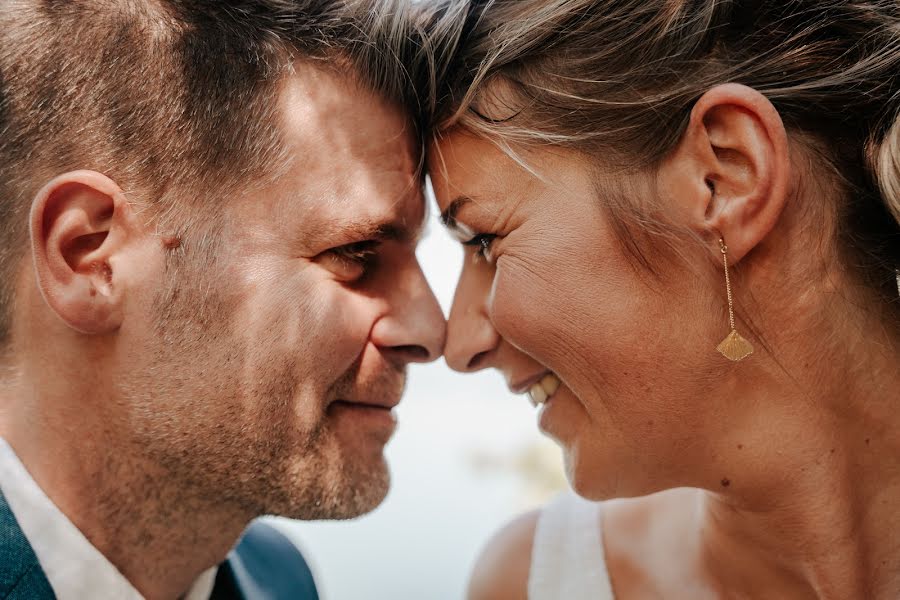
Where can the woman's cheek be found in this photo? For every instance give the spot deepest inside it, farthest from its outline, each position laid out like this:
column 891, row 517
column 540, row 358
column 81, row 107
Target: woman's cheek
column 515, row 305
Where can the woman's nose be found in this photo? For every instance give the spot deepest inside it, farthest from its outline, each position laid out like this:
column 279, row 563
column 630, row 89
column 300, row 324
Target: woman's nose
column 471, row 337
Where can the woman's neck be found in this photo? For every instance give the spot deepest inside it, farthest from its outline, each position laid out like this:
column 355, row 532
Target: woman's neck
column 820, row 516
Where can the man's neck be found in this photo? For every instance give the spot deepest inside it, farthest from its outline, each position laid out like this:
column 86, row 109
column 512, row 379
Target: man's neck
column 148, row 524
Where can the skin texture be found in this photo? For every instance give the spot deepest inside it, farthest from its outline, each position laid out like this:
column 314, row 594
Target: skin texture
column 162, row 400
column 793, row 453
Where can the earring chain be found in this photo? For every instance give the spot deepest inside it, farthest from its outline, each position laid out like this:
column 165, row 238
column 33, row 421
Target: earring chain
column 727, row 283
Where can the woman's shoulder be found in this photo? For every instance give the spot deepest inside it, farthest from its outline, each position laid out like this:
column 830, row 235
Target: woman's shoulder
column 539, row 551
column 648, row 542
column 630, row 545
column 501, row 571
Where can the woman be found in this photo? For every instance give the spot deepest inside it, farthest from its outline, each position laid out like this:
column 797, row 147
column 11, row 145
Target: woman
column 681, row 231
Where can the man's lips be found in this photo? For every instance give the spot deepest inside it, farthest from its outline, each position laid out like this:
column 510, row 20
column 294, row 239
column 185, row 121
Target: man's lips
column 386, row 404
column 364, row 416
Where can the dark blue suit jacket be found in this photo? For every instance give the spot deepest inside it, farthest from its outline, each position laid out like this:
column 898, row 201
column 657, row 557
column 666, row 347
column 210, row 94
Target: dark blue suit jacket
column 263, row 566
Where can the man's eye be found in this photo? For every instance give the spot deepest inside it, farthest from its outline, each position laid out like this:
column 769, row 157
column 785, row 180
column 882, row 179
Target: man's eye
column 350, row 262
column 482, row 244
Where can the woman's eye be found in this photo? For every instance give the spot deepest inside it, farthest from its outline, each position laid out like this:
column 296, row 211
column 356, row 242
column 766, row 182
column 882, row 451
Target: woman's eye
column 350, row 262
column 482, row 244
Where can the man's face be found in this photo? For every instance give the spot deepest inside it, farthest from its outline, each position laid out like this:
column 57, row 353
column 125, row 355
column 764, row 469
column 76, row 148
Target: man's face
column 267, row 377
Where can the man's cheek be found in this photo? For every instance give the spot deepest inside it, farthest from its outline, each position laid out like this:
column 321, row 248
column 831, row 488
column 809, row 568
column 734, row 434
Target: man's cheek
column 339, row 327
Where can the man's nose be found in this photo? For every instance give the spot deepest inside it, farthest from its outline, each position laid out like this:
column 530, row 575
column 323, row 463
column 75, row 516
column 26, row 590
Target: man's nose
column 471, row 337
column 414, row 330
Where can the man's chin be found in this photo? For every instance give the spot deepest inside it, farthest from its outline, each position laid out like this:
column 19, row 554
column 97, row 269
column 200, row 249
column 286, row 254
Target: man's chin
column 361, row 494
column 345, row 491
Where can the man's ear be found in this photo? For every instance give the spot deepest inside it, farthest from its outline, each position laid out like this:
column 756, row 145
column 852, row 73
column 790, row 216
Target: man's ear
column 79, row 221
column 730, row 174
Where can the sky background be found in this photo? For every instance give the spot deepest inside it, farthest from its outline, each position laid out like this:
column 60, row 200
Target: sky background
column 466, row 458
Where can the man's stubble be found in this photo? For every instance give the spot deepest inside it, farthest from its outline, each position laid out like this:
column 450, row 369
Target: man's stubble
column 232, row 424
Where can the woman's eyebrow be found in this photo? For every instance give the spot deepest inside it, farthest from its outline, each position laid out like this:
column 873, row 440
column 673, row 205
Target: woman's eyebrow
column 448, row 215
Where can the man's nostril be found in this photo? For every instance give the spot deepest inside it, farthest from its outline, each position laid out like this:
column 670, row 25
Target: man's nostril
column 476, row 360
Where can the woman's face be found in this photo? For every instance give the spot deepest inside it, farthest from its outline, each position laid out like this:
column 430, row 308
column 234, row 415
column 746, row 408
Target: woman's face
column 550, row 297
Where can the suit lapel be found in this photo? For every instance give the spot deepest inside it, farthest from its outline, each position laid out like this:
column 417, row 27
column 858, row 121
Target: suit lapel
column 226, row 587
column 265, row 565
column 21, row 576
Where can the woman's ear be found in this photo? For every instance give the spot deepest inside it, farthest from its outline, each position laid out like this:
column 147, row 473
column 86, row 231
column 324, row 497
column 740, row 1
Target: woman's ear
column 78, row 223
column 730, row 173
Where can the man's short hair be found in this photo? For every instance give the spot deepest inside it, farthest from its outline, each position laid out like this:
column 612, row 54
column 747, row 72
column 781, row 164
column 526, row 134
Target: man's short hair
column 171, row 98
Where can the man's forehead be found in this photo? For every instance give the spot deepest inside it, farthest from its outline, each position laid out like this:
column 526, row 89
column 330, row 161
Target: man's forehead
column 329, row 116
column 352, row 166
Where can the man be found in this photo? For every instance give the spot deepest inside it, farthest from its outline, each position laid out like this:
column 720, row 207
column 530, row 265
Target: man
column 208, row 287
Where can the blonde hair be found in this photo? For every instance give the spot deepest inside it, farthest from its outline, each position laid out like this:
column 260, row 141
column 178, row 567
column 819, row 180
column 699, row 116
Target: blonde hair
column 886, row 164
column 618, row 78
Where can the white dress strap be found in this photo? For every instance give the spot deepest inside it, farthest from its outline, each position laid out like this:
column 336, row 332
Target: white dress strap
column 567, row 559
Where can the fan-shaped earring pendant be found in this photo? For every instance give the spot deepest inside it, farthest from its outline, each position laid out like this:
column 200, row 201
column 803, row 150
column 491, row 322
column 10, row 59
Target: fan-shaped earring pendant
column 735, row 347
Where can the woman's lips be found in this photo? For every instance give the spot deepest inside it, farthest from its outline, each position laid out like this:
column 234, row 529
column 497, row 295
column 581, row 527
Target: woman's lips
column 544, row 389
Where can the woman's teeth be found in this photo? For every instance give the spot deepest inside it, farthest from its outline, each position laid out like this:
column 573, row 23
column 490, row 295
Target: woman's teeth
column 543, row 389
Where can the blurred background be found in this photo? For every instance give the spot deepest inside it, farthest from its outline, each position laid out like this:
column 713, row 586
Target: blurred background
column 466, row 457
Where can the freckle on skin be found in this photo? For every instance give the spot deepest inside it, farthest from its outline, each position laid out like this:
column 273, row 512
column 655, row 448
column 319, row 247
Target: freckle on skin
column 726, row 482
column 740, row 446
column 867, row 441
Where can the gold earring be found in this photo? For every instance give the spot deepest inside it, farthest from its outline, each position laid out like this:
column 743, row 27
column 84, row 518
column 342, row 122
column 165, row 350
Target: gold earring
column 734, row 346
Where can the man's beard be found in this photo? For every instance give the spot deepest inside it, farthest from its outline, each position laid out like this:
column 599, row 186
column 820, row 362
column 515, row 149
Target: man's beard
column 221, row 422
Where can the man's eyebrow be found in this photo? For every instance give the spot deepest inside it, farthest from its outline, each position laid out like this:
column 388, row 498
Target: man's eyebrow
column 448, row 215
column 373, row 229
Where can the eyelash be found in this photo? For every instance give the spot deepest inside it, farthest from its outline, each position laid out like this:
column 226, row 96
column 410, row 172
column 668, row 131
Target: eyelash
column 482, row 244
column 360, row 253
